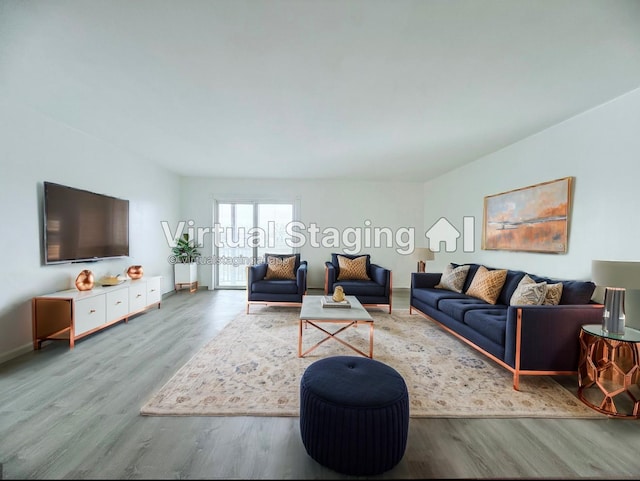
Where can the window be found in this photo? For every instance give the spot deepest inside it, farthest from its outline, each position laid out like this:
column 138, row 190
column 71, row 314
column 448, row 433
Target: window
column 248, row 231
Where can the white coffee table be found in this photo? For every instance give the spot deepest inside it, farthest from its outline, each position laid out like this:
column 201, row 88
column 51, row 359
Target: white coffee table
column 312, row 313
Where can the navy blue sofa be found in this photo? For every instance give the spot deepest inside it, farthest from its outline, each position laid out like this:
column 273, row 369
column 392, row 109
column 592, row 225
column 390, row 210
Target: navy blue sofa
column 376, row 292
column 526, row 340
column 287, row 292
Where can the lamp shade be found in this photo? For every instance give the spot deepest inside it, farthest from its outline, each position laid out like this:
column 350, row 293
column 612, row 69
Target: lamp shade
column 624, row 274
column 423, row 254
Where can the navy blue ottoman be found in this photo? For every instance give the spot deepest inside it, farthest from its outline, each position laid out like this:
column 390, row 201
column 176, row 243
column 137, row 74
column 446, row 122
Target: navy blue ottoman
column 354, row 414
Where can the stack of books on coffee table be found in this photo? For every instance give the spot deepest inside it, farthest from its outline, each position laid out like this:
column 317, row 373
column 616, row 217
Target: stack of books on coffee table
column 327, row 301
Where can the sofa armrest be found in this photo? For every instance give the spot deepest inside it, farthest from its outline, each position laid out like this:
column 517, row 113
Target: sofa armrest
column 549, row 335
column 379, row 274
column 301, row 277
column 255, row 273
column 329, row 277
column 425, row 279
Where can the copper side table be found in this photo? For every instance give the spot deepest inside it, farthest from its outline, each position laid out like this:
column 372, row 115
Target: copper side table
column 609, row 371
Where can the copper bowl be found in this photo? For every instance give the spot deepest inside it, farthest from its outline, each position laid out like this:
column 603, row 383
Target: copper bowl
column 84, row 281
column 135, row 272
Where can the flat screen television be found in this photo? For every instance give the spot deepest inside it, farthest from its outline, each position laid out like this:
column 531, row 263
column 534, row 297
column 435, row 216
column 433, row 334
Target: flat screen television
column 83, row 226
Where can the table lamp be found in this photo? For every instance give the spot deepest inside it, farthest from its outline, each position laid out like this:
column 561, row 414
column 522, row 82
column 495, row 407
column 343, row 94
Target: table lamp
column 422, row 254
column 621, row 280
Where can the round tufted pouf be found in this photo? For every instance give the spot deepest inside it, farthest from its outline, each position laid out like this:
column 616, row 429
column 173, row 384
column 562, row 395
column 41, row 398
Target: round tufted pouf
column 354, row 414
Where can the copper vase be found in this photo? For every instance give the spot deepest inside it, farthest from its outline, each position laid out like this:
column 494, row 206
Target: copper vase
column 135, row 272
column 84, row 281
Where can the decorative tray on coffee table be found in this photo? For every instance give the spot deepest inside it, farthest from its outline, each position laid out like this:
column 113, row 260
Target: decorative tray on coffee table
column 327, row 301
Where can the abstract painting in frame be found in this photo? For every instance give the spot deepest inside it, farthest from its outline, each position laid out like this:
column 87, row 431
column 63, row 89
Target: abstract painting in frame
column 534, row 218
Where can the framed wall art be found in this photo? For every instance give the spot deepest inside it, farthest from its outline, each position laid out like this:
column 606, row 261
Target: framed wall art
column 533, row 219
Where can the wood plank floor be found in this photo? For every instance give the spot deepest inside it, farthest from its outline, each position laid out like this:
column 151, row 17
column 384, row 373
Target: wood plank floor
column 74, row 414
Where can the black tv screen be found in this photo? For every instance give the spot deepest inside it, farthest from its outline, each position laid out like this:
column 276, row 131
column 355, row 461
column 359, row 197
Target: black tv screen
column 82, row 226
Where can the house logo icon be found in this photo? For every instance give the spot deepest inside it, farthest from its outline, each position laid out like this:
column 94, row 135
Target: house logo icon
column 443, row 231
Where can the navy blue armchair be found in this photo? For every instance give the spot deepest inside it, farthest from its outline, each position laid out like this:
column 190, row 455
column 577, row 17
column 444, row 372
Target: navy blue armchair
column 278, row 282
column 372, row 287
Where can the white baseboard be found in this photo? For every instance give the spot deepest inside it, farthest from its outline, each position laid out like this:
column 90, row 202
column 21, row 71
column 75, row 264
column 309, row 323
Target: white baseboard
column 18, row 351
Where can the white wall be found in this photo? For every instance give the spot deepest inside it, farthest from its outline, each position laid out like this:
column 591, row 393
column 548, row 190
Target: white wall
column 34, row 149
column 599, row 148
column 327, row 203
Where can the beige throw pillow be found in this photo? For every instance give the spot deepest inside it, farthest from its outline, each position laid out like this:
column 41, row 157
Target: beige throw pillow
column 486, row 285
column 528, row 292
column 352, row 269
column 281, row 268
column 453, row 278
column 553, row 294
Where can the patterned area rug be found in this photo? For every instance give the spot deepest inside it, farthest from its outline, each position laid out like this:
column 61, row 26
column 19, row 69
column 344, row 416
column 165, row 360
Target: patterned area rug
column 251, row 368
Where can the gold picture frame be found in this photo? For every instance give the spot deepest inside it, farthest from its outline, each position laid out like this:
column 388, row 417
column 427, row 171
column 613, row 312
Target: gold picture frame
column 530, row 219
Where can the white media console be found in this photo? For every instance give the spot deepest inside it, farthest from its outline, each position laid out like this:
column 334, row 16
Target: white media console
column 74, row 314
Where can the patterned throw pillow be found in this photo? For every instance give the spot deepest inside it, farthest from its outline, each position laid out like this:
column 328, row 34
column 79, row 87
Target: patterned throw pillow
column 528, row 293
column 553, row 295
column 281, row 267
column 453, row 278
column 486, row 285
column 353, row 269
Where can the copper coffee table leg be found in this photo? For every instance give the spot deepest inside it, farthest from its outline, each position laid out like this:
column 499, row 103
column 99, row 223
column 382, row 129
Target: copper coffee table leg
column 334, row 336
column 300, row 338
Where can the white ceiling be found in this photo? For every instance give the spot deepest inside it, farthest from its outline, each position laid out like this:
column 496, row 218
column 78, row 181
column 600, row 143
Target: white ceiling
column 385, row 89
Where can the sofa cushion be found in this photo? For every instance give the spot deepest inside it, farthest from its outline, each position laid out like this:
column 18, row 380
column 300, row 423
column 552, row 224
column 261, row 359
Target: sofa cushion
column 275, row 286
column 491, row 323
column 528, row 293
column 487, row 284
column 453, row 278
column 457, row 308
column 510, row 285
column 281, row 267
column 433, row 296
column 361, row 288
column 553, row 294
column 353, row 269
column 573, row 292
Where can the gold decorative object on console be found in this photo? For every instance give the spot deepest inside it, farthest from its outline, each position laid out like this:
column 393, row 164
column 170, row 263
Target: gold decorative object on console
column 338, row 294
column 111, row 280
column 135, row 272
column 84, row 281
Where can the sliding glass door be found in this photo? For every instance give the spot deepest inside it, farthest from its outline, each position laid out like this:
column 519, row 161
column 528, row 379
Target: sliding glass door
column 248, row 231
